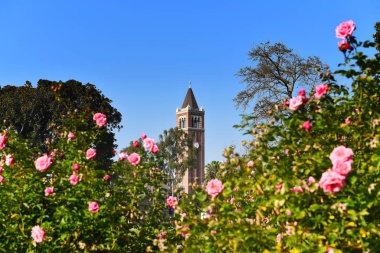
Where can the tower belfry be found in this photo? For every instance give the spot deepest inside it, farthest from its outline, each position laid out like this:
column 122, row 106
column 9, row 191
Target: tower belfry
column 190, row 118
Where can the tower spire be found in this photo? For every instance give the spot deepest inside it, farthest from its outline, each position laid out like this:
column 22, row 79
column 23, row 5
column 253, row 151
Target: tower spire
column 189, row 84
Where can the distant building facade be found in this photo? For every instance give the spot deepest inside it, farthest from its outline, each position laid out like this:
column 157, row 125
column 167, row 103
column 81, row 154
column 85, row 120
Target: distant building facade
column 190, row 118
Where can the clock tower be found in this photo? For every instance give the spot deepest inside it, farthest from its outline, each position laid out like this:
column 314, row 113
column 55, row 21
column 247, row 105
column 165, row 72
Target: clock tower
column 190, row 118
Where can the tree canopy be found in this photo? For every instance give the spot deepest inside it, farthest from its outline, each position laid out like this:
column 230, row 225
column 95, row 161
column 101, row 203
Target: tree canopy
column 36, row 112
column 276, row 73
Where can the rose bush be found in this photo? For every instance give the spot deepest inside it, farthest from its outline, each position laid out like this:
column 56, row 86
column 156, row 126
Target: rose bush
column 63, row 200
column 314, row 181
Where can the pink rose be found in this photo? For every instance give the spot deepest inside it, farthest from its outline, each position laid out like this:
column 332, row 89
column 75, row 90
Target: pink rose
column 1, row 170
column 134, row 158
column 38, row 234
column 311, row 180
column 250, row 164
column 149, row 144
column 214, row 187
column 307, row 125
column 320, row 90
column 10, row 160
column 71, row 136
column 43, row 163
column 107, row 177
column 2, row 179
column 296, row 102
column 302, row 93
column 341, row 153
column 74, row 179
column 347, row 120
column 93, row 207
column 135, row 144
column 49, row 190
column 345, row 29
column 143, row 136
column 296, row 189
column 90, row 153
column 123, row 156
column 344, row 46
column 100, row 119
column 213, row 232
column 279, row 237
column 172, row 201
column 76, row 166
column 155, row 149
column 332, row 181
column 342, row 167
column 288, row 212
column 185, row 230
column 3, row 139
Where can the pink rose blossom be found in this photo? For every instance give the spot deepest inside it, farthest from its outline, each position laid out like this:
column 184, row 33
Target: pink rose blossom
column 107, row 177
column 143, row 136
column 172, row 201
column 302, row 93
column 320, row 90
column 100, row 119
column 1, row 170
column 345, row 29
column 71, row 136
column 344, row 46
column 250, row 164
column 214, row 187
column 134, row 158
column 2, row 179
column 149, row 144
column 288, row 212
column 307, row 125
column 38, row 234
column 279, row 237
column 76, row 166
column 296, row 102
column 90, row 153
column 296, row 189
column 213, row 232
column 3, row 139
column 122, row 156
column 74, row 179
column 43, row 163
column 341, row 153
column 162, row 235
column 93, row 207
column 332, row 181
column 342, row 167
column 49, row 190
column 185, row 230
column 10, row 160
column 311, row 180
column 155, row 149
column 347, row 120
column 135, row 144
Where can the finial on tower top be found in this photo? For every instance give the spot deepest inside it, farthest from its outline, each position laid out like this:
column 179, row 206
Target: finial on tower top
column 189, row 84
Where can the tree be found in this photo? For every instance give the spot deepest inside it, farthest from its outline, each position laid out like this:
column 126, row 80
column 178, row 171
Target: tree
column 176, row 152
column 37, row 113
column 376, row 36
column 276, row 73
column 212, row 170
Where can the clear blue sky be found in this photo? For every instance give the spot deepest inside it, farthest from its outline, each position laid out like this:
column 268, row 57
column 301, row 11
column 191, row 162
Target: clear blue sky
column 142, row 54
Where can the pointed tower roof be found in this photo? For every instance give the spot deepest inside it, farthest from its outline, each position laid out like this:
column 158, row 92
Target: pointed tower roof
column 190, row 100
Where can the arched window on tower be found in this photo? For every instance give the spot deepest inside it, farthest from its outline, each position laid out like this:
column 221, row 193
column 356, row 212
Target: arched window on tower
column 182, row 122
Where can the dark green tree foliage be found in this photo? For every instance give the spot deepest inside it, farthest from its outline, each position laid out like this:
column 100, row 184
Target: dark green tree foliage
column 277, row 72
column 32, row 111
column 176, row 152
column 212, row 170
column 376, row 36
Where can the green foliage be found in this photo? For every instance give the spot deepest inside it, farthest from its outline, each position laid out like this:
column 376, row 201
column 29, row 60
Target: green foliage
column 262, row 208
column 132, row 208
column 35, row 113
